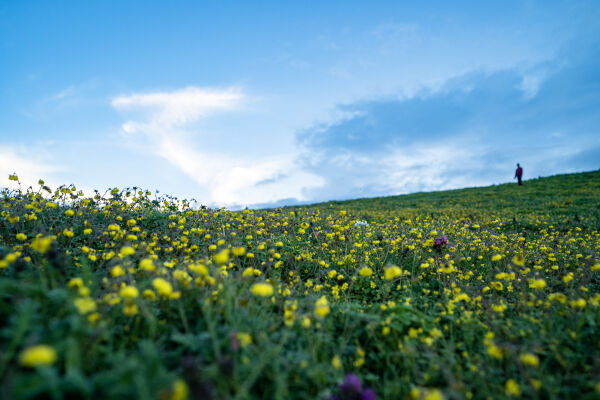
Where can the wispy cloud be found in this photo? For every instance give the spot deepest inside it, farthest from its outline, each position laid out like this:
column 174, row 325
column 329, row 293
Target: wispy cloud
column 68, row 91
column 70, row 95
column 165, row 111
column 166, row 121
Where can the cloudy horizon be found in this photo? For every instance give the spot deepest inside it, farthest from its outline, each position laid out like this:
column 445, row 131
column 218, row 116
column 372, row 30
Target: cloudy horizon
column 268, row 104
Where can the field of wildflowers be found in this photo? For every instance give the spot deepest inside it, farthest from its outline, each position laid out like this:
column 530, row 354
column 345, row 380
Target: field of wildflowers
column 478, row 293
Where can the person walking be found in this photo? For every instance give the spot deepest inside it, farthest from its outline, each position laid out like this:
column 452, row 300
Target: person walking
column 519, row 174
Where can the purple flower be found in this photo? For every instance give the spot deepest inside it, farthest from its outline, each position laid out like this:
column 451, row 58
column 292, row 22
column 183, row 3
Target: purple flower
column 440, row 242
column 351, row 389
column 351, row 384
column 368, row 394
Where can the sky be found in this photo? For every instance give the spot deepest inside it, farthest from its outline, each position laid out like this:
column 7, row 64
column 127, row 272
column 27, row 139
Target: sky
column 256, row 104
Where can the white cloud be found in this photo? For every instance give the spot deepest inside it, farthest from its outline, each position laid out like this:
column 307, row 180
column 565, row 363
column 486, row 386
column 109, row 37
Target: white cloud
column 447, row 164
column 169, row 110
column 431, row 167
column 165, row 122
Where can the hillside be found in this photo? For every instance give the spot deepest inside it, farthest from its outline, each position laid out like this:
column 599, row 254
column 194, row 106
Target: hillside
column 561, row 197
column 475, row 293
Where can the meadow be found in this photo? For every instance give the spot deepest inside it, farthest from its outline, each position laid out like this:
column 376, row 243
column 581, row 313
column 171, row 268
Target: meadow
column 477, row 293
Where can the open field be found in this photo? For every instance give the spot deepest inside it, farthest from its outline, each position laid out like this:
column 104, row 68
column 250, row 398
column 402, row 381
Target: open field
column 477, row 293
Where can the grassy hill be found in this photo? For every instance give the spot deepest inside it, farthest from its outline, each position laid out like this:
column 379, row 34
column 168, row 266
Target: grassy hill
column 562, row 197
column 476, row 293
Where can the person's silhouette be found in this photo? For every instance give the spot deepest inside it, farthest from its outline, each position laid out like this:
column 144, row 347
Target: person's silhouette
column 519, row 174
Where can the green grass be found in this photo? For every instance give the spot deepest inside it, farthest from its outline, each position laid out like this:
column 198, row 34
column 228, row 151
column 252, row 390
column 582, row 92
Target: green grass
column 509, row 308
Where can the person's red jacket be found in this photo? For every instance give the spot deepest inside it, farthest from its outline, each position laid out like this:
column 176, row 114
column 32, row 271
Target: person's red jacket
column 519, row 172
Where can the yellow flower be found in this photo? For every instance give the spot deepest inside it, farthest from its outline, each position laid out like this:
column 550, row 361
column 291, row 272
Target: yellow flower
column 239, row 251
column 126, row 251
column 497, row 257
column 244, row 338
column 129, row 292
column 200, row 269
column 322, row 307
column 182, row 277
column 222, row 257
column 512, row 388
column 21, row 237
column 415, row 393
column 261, row 289
column 433, row 394
column 392, row 272
column 42, row 244
column 117, row 271
column 537, row 284
column 561, row 298
column 499, row 307
column 148, row 294
column 518, row 260
column 494, row 351
column 336, row 362
column 163, row 287
column 87, row 231
column 462, row 297
column 365, row 271
column 306, row 322
column 85, row 305
column 75, row 282
column 130, row 308
column 147, row 264
column 38, row 355
column 93, row 317
column 579, row 303
column 69, row 213
column 179, row 391
column 530, row 359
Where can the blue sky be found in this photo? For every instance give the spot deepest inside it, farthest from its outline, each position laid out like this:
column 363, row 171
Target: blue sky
column 264, row 103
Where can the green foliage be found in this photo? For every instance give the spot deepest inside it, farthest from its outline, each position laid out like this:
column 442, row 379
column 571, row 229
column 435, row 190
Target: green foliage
column 131, row 296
